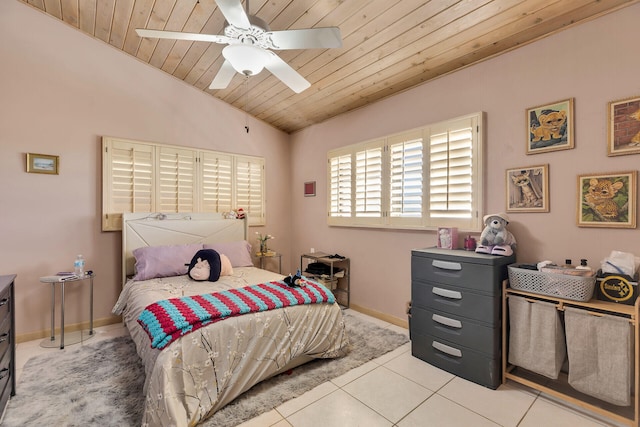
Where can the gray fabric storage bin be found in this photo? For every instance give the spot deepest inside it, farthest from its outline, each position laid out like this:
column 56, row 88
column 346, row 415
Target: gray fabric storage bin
column 536, row 337
column 600, row 350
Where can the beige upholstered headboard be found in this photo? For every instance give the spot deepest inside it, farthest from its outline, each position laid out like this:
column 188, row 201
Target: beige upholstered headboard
column 157, row 229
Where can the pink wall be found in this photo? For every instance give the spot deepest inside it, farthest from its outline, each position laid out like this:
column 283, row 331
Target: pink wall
column 61, row 91
column 594, row 63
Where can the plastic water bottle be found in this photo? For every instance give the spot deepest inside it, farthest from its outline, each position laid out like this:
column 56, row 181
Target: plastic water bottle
column 78, row 266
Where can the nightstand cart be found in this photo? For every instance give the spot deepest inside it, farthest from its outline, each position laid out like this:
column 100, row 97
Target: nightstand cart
column 337, row 281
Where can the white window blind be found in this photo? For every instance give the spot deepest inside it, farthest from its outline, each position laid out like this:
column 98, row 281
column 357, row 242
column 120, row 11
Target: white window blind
column 340, row 189
column 128, row 182
column 423, row 178
column 405, row 169
column 176, row 180
column 216, row 177
column 368, row 190
column 451, row 154
column 148, row 177
column 249, row 187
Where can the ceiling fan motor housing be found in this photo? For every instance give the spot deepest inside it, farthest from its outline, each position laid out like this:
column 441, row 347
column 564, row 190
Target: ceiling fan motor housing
column 257, row 34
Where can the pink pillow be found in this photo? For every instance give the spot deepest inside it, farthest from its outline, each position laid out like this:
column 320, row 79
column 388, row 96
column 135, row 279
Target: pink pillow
column 164, row 261
column 239, row 252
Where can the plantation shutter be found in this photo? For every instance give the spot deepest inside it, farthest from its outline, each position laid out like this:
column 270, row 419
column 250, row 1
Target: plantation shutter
column 340, row 186
column 147, row 177
column 176, row 180
column 368, row 181
column 423, row 178
column 128, row 180
column 249, row 188
column 406, row 182
column 216, row 182
column 451, row 171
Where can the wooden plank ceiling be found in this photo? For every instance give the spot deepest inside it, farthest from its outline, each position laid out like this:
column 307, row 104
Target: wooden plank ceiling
column 388, row 45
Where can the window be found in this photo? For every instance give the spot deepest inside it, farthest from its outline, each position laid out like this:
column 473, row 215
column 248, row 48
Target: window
column 423, row 178
column 149, row 177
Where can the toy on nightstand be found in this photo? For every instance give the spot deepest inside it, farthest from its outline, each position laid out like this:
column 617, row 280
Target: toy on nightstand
column 495, row 238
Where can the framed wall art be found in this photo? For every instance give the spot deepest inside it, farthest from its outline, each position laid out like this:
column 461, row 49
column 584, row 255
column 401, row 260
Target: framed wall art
column 550, row 127
column 607, row 200
column 42, row 163
column 528, row 189
column 623, row 127
column 310, row 189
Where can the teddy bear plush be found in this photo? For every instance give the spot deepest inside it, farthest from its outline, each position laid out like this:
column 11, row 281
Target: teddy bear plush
column 495, row 238
column 208, row 264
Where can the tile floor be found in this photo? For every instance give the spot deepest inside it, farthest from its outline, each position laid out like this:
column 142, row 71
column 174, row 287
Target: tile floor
column 397, row 390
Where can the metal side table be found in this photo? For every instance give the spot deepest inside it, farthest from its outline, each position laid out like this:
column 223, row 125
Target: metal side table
column 74, row 337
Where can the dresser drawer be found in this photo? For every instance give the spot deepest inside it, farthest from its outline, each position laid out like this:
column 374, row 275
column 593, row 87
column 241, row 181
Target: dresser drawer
column 479, row 272
column 456, row 329
column 457, row 359
column 456, row 300
column 5, row 338
column 5, row 305
column 6, row 372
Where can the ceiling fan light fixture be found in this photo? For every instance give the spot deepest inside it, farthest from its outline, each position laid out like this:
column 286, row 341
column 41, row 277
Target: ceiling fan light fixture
column 245, row 58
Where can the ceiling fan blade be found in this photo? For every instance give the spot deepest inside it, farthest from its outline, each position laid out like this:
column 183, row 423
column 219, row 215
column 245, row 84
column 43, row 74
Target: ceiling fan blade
column 310, row 38
column 224, row 76
column 234, row 13
column 174, row 35
column 284, row 72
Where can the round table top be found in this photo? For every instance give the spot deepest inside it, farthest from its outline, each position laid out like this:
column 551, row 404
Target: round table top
column 65, row 278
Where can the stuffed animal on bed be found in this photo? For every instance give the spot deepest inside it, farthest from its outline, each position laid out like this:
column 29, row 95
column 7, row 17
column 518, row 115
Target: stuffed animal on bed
column 208, row 264
column 294, row 280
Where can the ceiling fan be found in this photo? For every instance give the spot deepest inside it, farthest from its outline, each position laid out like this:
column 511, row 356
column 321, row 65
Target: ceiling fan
column 249, row 40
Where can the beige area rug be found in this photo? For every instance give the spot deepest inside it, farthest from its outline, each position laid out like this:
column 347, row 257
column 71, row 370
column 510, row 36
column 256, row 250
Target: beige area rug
column 101, row 384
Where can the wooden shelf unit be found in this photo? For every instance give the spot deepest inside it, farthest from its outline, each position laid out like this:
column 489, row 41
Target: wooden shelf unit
column 560, row 388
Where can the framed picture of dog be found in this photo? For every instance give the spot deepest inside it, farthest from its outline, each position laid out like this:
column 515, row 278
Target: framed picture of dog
column 607, row 200
column 624, row 127
column 528, row 189
column 550, row 127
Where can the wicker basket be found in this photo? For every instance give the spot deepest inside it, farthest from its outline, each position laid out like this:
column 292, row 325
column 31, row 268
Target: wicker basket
column 576, row 288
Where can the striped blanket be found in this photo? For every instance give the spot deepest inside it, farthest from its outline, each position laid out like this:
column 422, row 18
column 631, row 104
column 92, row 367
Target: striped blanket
column 167, row 320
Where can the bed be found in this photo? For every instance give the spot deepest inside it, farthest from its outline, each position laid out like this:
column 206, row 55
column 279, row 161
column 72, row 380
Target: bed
column 202, row 371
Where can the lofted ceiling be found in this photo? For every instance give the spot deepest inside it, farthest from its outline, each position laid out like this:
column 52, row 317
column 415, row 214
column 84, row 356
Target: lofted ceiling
column 388, row 45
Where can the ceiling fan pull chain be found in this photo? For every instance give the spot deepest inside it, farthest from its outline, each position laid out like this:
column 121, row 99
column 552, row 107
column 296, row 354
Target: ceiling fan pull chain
column 246, row 103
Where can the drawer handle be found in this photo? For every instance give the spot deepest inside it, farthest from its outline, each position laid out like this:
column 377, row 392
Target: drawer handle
column 447, row 293
column 4, row 337
column 4, row 372
column 446, row 321
column 3, row 301
column 447, row 265
column 446, row 349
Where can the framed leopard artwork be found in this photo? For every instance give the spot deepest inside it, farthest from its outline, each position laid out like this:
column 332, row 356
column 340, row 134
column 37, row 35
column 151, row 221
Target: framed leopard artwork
column 607, row 200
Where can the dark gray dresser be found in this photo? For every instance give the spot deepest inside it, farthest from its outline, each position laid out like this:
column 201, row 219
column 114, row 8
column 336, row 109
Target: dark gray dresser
column 455, row 313
column 7, row 341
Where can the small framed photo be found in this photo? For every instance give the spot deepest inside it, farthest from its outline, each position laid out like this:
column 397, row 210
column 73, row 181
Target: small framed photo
column 528, row 189
column 447, row 237
column 623, row 127
column 310, row 189
column 550, row 127
column 42, row 163
column 607, row 200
